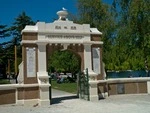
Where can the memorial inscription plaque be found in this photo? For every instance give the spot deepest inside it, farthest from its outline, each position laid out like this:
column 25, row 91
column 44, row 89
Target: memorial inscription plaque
column 96, row 60
column 31, row 60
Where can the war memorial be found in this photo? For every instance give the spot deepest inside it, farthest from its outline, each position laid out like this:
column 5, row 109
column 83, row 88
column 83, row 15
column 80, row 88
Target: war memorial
column 41, row 40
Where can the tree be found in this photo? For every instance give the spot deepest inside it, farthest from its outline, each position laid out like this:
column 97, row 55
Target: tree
column 3, row 31
column 133, row 31
column 64, row 61
column 99, row 15
column 20, row 22
column 15, row 32
column 125, row 27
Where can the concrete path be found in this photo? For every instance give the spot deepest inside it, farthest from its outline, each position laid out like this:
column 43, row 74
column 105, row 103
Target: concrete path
column 113, row 104
column 13, row 81
column 58, row 93
column 59, row 96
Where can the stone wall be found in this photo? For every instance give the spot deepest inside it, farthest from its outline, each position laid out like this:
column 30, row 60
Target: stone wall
column 123, row 86
column 19, row 94
column 127, row 88
column 7, row 96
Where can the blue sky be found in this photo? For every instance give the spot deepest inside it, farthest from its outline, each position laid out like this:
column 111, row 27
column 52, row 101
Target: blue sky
column 42, row 10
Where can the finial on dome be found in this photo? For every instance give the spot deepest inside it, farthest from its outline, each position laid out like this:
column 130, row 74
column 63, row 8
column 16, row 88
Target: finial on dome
column 64, row 9
column 62, row 14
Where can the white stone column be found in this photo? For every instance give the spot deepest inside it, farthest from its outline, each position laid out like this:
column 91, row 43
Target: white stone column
column 92, row 75
column 41, row 57
column 88, row 61
column 87, row 57
column 148, row 87
column 43, row 78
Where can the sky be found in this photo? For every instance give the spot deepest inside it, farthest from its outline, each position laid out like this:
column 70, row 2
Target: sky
column 42, row 10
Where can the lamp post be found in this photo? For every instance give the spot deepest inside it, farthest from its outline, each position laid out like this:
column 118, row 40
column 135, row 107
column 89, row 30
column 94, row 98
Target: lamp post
column 8, row 68
column 15, row 60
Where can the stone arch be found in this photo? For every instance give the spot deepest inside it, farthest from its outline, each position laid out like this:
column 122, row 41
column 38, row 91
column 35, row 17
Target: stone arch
column 39, row 42
column 75, row 49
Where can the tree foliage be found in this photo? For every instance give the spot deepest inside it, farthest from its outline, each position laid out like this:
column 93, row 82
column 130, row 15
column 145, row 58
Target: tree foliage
column 4, row 31
column 125, row 26
column 99, row 15
column 64, row 61
column 18, row 25
column 133, row 38
column 14, row 32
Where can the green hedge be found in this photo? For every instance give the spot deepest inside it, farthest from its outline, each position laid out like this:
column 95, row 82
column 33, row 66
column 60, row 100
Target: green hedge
column 4, row 81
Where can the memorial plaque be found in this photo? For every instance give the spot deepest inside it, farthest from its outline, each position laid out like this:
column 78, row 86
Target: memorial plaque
column 31, row 62
column 96, row 60
column 120, row 89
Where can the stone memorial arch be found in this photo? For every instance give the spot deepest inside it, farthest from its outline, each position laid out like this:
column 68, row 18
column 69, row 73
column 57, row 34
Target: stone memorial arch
column 40, row 40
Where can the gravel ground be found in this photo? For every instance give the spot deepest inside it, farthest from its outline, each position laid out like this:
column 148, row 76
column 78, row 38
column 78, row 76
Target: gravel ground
column 113, row 104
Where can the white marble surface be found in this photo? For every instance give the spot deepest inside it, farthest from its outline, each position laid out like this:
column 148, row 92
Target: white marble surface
column 96, row 60
column 31, row 59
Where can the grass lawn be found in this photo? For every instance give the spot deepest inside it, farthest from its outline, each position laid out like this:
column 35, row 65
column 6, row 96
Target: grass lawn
column 68, row 87
column 4, row 81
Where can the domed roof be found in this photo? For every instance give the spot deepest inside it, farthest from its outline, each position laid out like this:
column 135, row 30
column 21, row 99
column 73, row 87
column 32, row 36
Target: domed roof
column 62, row 14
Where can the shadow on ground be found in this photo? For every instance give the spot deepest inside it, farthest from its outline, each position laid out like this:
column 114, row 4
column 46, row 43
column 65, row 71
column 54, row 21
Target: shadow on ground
column 58, row 100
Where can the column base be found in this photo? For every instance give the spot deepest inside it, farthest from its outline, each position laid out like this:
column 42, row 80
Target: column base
column 148, row 87
column 20, row 102
column 93, row 91
column 44, row 102
column 44, row 95
column 29, row 102
column 94, row 98
column 103, row 95
column 33, row 102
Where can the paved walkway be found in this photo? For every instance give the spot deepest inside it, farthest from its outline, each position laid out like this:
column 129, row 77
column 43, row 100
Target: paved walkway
column 58, row 93
column 60, row 96
column 13, row 81
column 70, row 104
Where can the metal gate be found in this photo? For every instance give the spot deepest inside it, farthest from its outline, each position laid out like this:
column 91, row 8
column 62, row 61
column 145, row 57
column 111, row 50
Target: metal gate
column 84, row 85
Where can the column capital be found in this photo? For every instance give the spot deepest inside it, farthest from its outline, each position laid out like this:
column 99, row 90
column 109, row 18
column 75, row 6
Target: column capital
column 41, row 43
column 87, row 44
column 92, row 42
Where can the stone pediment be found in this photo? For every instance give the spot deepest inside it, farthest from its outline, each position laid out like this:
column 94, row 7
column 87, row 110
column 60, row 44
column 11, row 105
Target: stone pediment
column 62, row 31
column 61, row 26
